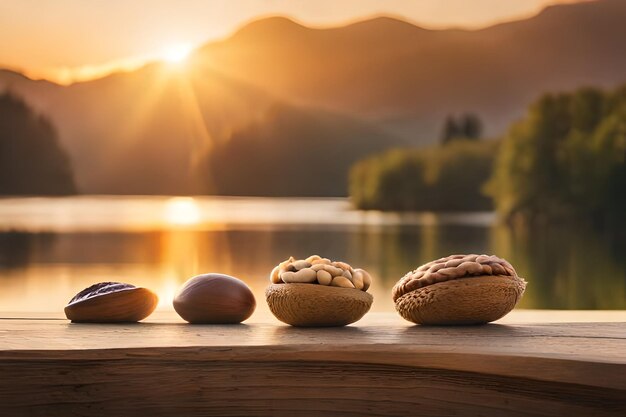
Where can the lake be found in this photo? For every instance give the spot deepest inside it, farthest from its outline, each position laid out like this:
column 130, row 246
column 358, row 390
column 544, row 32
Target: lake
column 51, row 248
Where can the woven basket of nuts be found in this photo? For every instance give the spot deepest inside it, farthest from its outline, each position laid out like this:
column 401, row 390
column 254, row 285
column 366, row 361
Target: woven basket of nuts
column 459, row 289
column 316, row 292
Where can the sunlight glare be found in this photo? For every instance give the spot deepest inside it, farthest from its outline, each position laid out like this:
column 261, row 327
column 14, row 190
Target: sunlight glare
column 177, row 53
column 182, row 211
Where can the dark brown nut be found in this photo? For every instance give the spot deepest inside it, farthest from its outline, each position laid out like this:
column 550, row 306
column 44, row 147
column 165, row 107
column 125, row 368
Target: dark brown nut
column 214, row 299
column 459, row 289
column 111, row 302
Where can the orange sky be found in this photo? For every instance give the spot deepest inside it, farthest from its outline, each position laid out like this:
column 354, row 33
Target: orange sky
column 66, row 40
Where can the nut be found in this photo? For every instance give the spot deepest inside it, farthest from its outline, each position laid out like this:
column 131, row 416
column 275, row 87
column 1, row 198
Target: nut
column 313, row 258
column 111, row 302
column 294, row 271
column 459, row 289
column 324, row 277
column 342, row 282
column 338, row 299
column 333, row 270
column 324, row 261
column 275, row 274
column 302, row 276
column 357, row 279
column 301, row 265
column 367, row 278
column 214, row 299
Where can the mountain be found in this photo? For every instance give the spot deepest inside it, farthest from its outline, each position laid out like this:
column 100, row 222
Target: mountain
column 408, row 78
column 31, row 160
column 283, row 109
column 152, row 131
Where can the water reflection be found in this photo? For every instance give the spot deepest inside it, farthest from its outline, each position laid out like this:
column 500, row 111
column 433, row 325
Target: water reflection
column 182, row 211
column 570, row 267
column 566, row 268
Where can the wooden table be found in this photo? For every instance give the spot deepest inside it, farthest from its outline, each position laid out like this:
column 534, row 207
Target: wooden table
column 382, row 365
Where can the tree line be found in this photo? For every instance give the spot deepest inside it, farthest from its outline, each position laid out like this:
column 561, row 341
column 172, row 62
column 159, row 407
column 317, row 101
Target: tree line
column 565, row 159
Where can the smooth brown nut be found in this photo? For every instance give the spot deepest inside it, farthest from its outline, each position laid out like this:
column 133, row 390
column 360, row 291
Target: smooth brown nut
column 111, row 302
column 478, row 289
column 214, row 299
column 307, row 305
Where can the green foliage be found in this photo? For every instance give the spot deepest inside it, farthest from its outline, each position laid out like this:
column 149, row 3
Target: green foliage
column 446, row 178
column 567, row 158
column 31, row 159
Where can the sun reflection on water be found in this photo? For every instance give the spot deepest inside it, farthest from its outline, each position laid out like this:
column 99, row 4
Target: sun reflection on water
column 182, row 211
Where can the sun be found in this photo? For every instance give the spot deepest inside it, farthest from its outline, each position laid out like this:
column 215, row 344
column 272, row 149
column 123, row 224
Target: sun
column 177, row 53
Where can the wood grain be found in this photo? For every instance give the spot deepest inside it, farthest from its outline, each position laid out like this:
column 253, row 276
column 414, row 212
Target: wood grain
column 381, row 366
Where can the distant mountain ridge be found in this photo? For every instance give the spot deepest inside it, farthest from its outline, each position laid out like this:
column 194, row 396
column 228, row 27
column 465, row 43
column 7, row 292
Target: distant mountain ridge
column 387, row 69
column 370, row 85
column 152, row 131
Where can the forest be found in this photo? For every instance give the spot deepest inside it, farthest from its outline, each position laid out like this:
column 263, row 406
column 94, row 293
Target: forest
column 565, row 159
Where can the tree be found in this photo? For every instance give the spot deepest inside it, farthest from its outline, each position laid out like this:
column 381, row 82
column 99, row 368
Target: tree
column 467, row 126
column 471, row 126
column 451, row 130
column 443, row 178
column 566, row 159
column 31, row 158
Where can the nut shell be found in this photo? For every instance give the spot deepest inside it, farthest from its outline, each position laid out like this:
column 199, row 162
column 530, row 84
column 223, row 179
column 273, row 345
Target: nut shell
column 214, row 299
column 472, row 300
column 307, row 305
column 111, row 302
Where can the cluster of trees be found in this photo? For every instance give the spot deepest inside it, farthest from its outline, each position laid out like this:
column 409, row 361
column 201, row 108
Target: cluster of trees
column 31, row 158
column 565, row 159
column 433, row 179
column 467, row 126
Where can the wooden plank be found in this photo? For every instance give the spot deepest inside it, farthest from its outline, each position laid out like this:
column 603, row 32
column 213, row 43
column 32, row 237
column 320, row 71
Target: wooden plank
column 381, row 366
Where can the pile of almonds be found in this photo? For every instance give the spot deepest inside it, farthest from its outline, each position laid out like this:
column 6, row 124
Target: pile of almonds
column 323, row 271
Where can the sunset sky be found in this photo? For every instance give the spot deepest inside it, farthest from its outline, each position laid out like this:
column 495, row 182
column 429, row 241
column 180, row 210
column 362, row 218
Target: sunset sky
column 66, row 40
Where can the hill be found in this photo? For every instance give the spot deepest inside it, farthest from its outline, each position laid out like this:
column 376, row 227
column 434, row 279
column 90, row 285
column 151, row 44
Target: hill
column 31, row 160
column 151, row 131
column 408, row 78
column 276, row 85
